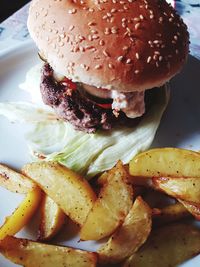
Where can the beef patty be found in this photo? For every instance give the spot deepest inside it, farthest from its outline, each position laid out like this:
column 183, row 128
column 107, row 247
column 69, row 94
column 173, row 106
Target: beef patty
column 75, row 107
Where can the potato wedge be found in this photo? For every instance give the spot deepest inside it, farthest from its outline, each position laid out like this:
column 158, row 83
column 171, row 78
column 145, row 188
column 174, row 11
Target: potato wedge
column 33, row 254
column 167, row 246
column 192, row 207
column 129, row 236
column 70, row 191
column 166, row 162
column 183, row 188
column 22, row 214
column 170, row 213
column 111, row 207
column 52, row 219
column 14, row 181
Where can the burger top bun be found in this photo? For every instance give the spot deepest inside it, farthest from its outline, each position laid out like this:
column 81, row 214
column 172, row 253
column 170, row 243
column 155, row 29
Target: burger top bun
column 126, row 45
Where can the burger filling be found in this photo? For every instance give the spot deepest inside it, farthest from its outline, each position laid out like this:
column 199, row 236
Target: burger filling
column 89, row 108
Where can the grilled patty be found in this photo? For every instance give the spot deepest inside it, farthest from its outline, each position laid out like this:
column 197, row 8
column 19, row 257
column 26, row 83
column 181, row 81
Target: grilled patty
column 75, row 107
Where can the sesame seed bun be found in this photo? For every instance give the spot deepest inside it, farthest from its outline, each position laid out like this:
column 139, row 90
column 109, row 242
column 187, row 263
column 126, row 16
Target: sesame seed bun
column 126, row 45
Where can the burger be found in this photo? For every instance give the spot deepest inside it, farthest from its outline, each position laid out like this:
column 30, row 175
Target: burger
column 103, row 59
column 102, row 81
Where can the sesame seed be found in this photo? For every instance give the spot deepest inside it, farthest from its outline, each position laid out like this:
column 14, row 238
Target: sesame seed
column 101, row 42
column 149, row 59
column 157, row 64
column 107, row 31
column 114, row 30
column 120, row 58
column 91, row 23
column 104, row 17
column 136, row 71
column 94, row 31
column 160, row 58
column 137, row 25
column 137, row 56
column 81, row 38
column 113, row 10
column 83, row 66
column 136, row 19
column 71, row 27
column 155, row 57
column 110, row 66
column 82, row 49
column 141, row 17
column 94, row 37
column 128, row 61
column 175, row 37
column 72, row 11
column 177, row 51
column 97, row 67
column 91, row 9
column 106, row 53
column 156, row 52
column 89, row 47
column 151, row 16
column 125, row 47
column 62, row 35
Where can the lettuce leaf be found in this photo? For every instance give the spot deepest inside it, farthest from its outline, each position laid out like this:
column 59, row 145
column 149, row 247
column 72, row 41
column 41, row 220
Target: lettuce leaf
column 88, row 154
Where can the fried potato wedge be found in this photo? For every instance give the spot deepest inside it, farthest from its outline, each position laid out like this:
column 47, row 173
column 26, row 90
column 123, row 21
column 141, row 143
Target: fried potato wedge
column 70, row 191
column 167, row 246
column 33, row 254
column 170, row 213
column 183, row 188
column 22, row 214
column 52, row 219
column 192, row 207
column 166, row 162
column 129, row 236
column 14, row 181
column 111, row 207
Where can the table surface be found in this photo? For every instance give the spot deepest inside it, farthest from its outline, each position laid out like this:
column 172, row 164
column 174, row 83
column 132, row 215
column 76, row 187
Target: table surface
column 13, row 31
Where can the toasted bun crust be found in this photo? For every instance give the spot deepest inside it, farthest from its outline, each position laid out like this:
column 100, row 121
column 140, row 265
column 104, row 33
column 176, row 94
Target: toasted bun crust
column 125, row 45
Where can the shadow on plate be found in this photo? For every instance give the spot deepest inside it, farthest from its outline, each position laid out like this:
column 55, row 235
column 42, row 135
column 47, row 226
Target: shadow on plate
column 180, row 125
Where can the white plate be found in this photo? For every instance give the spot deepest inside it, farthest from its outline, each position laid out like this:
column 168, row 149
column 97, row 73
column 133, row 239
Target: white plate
column 180, row 127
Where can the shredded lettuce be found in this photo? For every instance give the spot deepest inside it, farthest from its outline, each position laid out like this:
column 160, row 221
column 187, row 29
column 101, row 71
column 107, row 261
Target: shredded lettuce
column 88, row 154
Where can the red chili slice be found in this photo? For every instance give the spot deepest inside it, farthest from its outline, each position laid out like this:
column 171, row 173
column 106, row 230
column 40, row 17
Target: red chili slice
column 68, row 83
column 106, row 106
